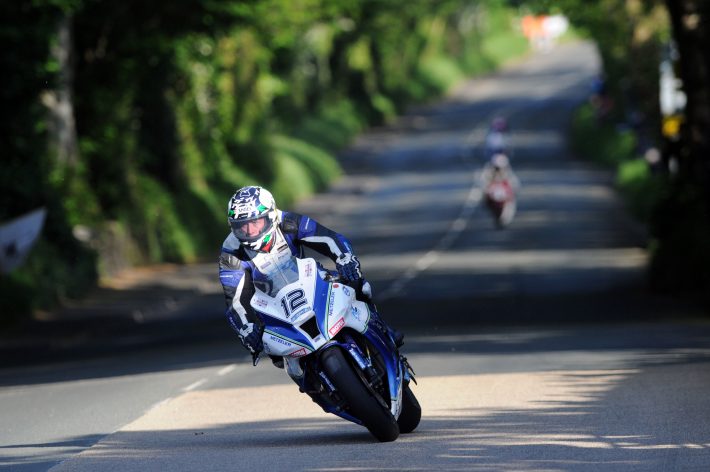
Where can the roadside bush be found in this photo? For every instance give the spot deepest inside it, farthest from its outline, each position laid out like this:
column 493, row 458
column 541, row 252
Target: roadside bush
column 602, row 142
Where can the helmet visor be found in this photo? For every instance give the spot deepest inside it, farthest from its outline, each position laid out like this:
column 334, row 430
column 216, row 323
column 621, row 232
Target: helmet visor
column 250, row 229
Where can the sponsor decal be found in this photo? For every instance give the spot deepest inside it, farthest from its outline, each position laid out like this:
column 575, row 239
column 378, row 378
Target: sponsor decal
column 346, row 291
column 261, row 302
column 336, row 327
column 309, row 269
column 331, row 301
column 280, row 341
column 300, row 313
column 299, row 353
column 355, row 313
column 336, row 285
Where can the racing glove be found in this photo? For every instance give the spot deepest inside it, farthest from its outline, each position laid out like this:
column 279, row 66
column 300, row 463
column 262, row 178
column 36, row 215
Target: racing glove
column 250, row 336
column 348, row 268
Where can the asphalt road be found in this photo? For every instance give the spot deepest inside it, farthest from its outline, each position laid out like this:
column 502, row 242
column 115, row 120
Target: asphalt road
column 536, row 347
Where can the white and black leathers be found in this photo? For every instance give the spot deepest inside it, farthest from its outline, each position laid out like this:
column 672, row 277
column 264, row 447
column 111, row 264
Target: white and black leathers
column 241, row 269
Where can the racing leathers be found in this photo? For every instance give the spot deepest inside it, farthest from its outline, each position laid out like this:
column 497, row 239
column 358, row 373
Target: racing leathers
column 242, row 269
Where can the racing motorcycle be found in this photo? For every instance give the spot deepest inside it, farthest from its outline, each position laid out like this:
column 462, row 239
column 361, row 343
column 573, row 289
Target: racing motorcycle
column 335, row 348
column 500, row 200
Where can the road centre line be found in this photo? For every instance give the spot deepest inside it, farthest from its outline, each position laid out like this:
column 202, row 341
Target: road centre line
column 457, row 226
column 194, row 385
column 225, row 370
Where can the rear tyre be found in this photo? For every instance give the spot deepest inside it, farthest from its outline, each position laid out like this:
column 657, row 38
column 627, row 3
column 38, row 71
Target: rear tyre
column 411, row 411
column 361, row 401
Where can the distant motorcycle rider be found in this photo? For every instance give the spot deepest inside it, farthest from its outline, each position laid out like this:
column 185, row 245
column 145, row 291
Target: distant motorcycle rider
column 261, row 238
column 500, row 184
column 496, row 141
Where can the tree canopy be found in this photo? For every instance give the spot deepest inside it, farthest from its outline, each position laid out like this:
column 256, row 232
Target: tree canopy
column 132, row 122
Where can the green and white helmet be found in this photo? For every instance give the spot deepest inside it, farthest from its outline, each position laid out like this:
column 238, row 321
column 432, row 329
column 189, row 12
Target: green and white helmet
column 251, row 206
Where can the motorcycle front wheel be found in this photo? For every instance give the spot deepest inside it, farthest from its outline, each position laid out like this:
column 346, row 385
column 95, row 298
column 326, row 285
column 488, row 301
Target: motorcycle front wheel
column 361, row 400
column 411, row 411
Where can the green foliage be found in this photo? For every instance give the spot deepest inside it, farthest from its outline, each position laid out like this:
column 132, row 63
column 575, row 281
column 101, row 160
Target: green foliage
column 501, row 46
column 332, row 126
column 321, row 167
column 178, row 104
column 58, row 266
column 438, row 74
column 601, row 142
column 641, row 187
column 498, row 44
column 39, row 286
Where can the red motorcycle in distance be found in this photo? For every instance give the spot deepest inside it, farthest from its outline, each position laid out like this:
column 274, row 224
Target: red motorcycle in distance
column 500, row 185
column 500, row 200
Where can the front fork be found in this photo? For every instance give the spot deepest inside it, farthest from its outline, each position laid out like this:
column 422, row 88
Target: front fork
column 323, row 392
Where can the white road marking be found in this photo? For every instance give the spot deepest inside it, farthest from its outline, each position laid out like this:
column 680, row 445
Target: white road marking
column 225, row 370
column 194, row 385
column 429, row 258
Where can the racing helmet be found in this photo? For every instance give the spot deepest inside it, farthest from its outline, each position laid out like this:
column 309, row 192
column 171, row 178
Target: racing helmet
column 499, row 124
column 253, row 217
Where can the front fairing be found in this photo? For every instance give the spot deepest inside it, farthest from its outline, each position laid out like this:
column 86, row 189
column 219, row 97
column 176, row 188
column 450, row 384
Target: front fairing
column 308, row 312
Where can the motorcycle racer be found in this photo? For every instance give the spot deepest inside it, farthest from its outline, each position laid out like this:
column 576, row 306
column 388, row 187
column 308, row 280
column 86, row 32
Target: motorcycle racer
column 496, row 141
column 500, row 184
column 256, row 252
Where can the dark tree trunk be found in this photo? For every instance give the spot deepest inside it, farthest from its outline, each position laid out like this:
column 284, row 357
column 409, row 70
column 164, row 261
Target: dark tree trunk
column 681, row 223
column 60, row 101
column 691, row 30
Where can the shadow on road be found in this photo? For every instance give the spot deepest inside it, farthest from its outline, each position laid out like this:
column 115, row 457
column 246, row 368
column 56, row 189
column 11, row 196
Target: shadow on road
column 582, row 425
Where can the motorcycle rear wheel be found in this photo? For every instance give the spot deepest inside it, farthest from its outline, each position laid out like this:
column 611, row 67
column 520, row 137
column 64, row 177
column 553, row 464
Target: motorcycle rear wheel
column 361, row 400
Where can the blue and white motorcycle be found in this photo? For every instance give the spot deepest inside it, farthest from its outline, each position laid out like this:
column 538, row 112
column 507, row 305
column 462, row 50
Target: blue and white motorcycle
column 335, row 349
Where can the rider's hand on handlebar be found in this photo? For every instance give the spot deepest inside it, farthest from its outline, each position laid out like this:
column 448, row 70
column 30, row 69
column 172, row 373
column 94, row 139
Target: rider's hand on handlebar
column 250, row 336
column 348, row 268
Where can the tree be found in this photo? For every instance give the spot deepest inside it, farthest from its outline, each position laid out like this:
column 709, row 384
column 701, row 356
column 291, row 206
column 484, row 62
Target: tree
column 681, row 257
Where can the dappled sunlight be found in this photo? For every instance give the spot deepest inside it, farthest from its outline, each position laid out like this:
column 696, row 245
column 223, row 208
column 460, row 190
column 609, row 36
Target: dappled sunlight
column 529, row 139
column 541, row 260
column 528, row 421
column 502, row 261
column 571, row 193
column 204, row 409
column 531, row 218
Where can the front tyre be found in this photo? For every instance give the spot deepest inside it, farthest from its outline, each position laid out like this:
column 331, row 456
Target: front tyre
column 361, row 401
column 411, row 411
